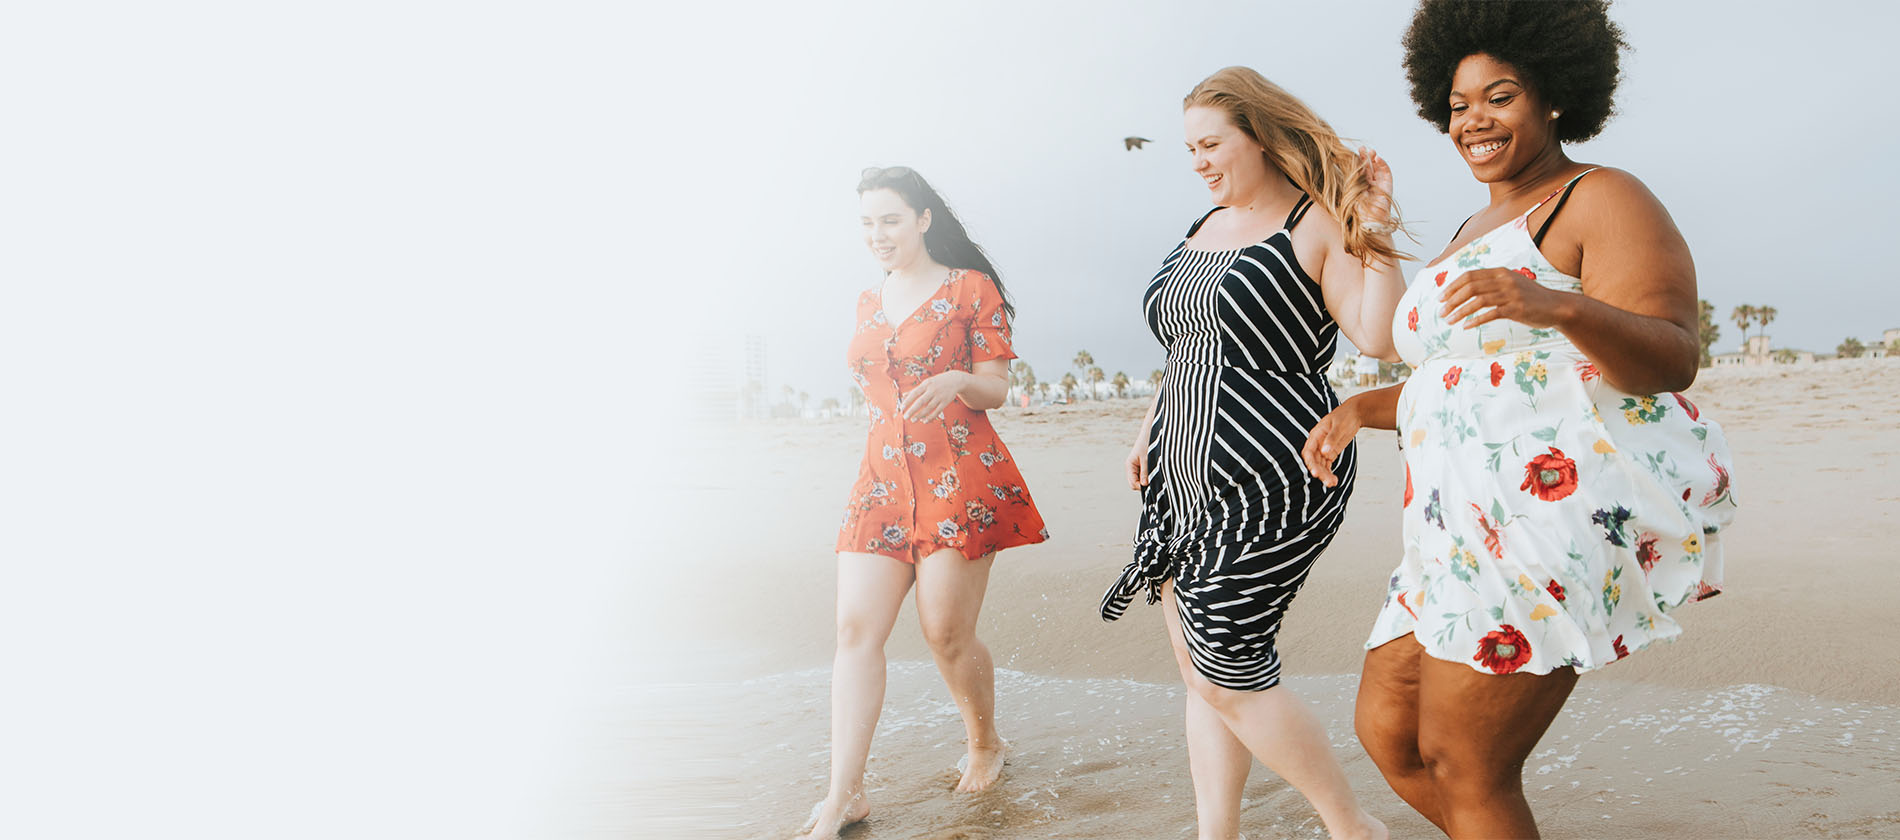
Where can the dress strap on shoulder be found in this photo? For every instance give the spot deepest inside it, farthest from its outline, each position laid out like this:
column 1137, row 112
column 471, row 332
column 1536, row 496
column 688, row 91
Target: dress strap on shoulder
column 1299, row 211
column 1461, row 226
column 1201, row 221
column 1538, row 238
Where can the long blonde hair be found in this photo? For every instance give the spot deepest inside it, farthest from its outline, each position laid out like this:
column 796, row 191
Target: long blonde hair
column 1301, row 145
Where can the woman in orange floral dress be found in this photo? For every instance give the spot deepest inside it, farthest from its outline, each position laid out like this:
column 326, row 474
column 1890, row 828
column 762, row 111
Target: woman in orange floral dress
column 938, row 494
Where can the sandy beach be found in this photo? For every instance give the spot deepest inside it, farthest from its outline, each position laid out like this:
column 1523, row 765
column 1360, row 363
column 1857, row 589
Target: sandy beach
column 1776, row 715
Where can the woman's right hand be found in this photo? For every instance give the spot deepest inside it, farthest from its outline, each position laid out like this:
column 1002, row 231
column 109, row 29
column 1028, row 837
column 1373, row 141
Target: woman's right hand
column 1328, row 439
column 1138, row 465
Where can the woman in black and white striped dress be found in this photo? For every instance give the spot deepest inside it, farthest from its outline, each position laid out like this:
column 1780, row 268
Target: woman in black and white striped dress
column 1249, row 306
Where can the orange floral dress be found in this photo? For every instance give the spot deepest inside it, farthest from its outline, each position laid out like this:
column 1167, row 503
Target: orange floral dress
column 944, row 482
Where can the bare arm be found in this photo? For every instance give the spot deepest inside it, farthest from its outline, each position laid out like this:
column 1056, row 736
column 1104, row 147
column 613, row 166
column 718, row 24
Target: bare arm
column 1362, row 296
column 987, row 385
column 1635, row 317
column 983, row 387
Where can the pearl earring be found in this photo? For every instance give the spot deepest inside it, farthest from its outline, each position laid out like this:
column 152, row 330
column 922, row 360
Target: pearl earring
column 1556, row 114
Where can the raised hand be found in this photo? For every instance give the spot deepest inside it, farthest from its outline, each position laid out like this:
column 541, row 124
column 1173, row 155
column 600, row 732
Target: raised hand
column 1375, row 207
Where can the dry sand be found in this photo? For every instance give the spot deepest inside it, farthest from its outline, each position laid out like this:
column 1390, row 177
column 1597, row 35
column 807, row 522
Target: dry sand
column 1776, row 715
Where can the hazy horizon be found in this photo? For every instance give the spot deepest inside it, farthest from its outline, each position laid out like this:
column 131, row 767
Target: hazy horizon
column 1025, row 144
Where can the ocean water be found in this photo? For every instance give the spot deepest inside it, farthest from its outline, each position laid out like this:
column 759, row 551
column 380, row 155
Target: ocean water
column 1104, row 758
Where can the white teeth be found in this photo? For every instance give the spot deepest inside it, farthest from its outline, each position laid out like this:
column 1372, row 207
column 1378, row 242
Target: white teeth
column 1483, row 149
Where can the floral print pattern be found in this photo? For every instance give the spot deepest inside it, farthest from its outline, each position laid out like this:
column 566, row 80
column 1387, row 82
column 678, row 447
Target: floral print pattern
column 1563, row 518
column 944, row 482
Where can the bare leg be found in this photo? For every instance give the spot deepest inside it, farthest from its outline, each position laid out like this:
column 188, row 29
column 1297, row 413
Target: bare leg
column 1386, row 718
column 1276, row 726
column 1475, row 730
column 871, row 588
column 1218, row 762
column 949, row 598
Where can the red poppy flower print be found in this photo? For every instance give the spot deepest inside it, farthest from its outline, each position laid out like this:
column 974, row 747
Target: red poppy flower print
column 1408, row 486
column 1646, row 551
column 1551, row 476
column 1497, row 374
column 1555, row 589
column 1411, row 319
column 1587, row 371
column 1621, row 651
column 1687, row 406
column 1451, row 376
column 1440, row 279
column 1503, row 650
column 1526, row 272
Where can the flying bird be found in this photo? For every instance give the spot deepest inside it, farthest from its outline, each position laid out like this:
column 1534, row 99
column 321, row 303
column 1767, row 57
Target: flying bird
column 1132, row 143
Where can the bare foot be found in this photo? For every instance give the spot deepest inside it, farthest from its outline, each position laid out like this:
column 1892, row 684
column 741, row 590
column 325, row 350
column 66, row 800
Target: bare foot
column 982, row 767
column 1369, row 828
column 829, row 816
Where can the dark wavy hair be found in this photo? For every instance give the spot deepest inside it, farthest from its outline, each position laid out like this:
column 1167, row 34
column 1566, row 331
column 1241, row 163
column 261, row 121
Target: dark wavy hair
column 946, row 240
column 1567, row 50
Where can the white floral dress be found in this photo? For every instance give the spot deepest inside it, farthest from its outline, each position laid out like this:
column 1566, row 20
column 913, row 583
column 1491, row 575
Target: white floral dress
column 1550, row 520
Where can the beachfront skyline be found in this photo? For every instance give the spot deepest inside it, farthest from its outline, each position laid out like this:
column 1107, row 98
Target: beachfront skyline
column 1025, row 143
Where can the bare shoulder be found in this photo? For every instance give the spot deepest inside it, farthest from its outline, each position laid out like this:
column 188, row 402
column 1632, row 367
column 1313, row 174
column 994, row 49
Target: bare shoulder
column 1316, row 238
column 1609, row 194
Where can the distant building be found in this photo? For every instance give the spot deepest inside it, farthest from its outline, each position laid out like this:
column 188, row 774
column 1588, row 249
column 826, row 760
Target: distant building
column 726, row 379
column 1760, row 350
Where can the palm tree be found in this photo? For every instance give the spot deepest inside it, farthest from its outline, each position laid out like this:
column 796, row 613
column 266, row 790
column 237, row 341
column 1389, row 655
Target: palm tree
column 1068, row 385
column 1154, row 379
column 829, row 406
column 1043, row 389
column 1022, row 376
column 1121, row 384
column 1743, row 316
column 1082, row 361
column 1764, row 315
column 1095, row 376
column 1851, row 349
column 1706, row 330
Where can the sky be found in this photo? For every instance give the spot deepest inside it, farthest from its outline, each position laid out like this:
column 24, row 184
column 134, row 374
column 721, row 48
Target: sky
column 342, row 344
column 1762, row 133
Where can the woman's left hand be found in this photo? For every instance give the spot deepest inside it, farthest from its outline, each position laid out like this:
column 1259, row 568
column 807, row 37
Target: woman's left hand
column 1488, row 294
column 933, row 395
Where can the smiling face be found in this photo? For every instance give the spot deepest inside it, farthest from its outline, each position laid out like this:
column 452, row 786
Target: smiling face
column 892, row 230
column 1231, row 163
column 1498, row 123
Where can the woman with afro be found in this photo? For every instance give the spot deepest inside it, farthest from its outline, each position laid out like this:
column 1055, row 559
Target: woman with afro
column 1560, row 498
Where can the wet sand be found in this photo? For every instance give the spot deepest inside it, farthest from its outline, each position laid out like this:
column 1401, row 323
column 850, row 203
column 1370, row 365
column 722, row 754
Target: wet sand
column 1775, row 715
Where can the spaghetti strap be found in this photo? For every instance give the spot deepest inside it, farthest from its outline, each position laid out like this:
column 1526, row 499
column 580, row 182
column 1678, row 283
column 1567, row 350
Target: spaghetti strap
column 1201, row 221
column 1461, row 226
column 1537, row 239
column 1299, row 212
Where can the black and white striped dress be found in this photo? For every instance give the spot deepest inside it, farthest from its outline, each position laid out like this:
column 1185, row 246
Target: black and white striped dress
column 1230, row 512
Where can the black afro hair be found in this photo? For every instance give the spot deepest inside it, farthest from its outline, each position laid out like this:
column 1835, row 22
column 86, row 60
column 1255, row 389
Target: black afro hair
column 1567, row 51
